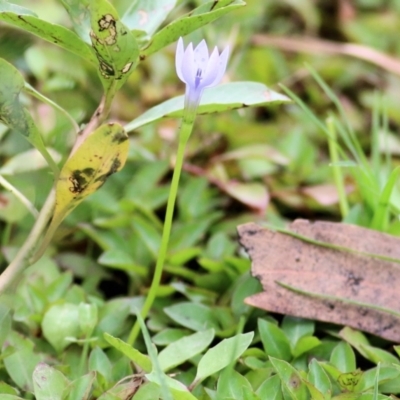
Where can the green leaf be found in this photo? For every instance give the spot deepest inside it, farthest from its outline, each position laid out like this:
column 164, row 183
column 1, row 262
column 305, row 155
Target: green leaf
column 184, row 349
column 199, row 17
column 319, row 378
column 377, row 355
column 99, row 362
column 296, row 328
column 343, row 357
column 147, row 15
column 5, row 323
column 305, row 344
column 57, row 34
column 22, row 362
column 380, row 220
column 220, row 98
column 271, row 389
column 142, row 360
column 387, row 374
column 59, row 322
column 290, row 378
column 48, row 383
column 115, row 46
column 231, row 384
column 274, row 340
column 12, row 112
column 193, row 316
column 221, row 355
column 168, row 336
column 79, row 13
column 81, row 387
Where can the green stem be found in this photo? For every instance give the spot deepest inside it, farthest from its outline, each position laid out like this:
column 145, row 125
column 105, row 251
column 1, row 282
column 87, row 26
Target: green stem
column 84, row 356
column 21, row 261
column 185, row 131
column 337, row 172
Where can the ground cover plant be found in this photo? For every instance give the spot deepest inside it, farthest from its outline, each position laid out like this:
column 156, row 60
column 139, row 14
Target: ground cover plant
column 131, row 151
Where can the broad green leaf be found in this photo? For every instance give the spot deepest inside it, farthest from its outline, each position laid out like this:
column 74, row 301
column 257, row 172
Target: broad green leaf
column 387, row 373
column 79, row 13
column 99, row 362
column 274, row 340
column 290, row 378
column 147, row 15
column 114, row 44
column 5, row 323
column 176, row 389
column 168, row 336
column 221, row 355
column 102, row 154
column 10, row 397
column 343, row 357
column 377, row 355
column 81, row 387
column 295, row 328
column 136, row 356
column 220, row 98
column 12, row 112
column 48, row 383
column 57, row 34
column 199, row 17
column 306, row 343
column 148, row 391
column 21, row 363
column 315, row 393
column 271, row 389
column 88, row 318
column 7, row 389
column 197, row 317
column 231, row 384
column 184, row 349
column 319, row 378
column 59, row 322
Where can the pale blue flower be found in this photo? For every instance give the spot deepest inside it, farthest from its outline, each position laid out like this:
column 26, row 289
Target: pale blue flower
column 199, row 70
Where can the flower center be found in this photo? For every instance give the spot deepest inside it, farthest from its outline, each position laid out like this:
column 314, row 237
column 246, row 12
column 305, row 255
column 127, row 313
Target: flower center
column 198, row 78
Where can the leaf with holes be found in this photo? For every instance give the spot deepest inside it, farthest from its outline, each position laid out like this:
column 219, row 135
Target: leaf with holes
column 115, row 46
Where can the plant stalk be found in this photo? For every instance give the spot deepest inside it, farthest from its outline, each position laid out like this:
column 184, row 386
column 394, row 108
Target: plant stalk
column 184, row 134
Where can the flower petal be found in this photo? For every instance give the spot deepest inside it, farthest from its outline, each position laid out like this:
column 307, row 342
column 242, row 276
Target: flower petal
column 223, row 61
column 189, row 67
column 212, row 69
column 201, row 55
column 180, row 51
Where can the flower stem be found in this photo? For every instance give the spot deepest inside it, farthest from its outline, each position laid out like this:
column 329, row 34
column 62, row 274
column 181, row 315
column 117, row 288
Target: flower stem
column 185, row 131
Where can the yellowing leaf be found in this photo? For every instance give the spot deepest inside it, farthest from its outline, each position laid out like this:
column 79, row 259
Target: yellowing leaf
column 102, row 154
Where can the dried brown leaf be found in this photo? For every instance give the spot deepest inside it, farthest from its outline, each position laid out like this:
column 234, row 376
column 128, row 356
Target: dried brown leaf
column 350, row 284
